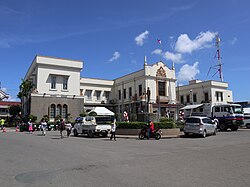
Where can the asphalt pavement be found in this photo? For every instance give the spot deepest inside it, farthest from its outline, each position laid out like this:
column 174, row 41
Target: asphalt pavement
column 34, row 160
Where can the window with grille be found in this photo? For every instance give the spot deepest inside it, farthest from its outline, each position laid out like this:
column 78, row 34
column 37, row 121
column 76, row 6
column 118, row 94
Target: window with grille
column 182, row 99
column 206, row 97
column 140, row 90
column 98, row 95
column 65, row 83
column 120, row 94
column 53, row 82
column 58, row 110
column 88, row 94
column 194, row 98
column 106, row 94
column 52, row 113
column 64, row 111
column 162, row 88
column 130, row 92
column 124, row 93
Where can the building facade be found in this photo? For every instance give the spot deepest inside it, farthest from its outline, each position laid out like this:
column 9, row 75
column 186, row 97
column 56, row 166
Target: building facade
column 60, row 91
column 57, row 88
column 197, row 92
column 4, row 108
column 147, row 91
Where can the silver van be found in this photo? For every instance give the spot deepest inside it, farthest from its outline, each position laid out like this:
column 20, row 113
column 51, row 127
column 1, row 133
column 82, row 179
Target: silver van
column 199, row 125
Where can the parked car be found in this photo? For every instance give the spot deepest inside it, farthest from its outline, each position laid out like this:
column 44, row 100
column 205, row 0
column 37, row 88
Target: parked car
column 199, row 125
column 247, row 117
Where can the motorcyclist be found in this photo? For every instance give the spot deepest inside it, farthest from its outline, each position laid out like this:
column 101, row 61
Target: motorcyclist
column 151, row 128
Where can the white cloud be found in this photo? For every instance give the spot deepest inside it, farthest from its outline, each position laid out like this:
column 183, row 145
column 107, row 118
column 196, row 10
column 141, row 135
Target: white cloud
column 185, row 45
column 157, row 52
column 115, row 56
column 177, row 57
column 233, row 41
column 140, row 39
column 7, row 11
column 174, row 57
column 4, row 89
column 188, row 72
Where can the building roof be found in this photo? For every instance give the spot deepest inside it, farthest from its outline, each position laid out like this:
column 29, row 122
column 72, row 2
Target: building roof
column 9, row 103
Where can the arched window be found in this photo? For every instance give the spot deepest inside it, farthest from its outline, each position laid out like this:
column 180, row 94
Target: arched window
column 65, row 111
column 59, row 110
column 52, row 112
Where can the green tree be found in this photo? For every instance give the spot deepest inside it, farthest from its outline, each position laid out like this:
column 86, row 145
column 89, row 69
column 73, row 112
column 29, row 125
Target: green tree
column 33, row 118
column 46, row 117
column 14, row 110
column 58, row 117
column 25, row 88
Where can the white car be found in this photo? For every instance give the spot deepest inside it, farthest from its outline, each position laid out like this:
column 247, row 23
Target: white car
column 247, row 117
column 199, row 125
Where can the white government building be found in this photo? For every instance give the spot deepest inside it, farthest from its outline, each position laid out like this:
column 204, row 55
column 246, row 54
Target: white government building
column 147, row 93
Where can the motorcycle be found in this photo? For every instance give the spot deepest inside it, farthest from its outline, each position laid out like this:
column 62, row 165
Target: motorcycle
column 144, row 134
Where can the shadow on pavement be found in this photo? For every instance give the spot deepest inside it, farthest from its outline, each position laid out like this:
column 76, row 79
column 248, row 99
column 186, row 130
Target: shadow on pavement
column 193, row 136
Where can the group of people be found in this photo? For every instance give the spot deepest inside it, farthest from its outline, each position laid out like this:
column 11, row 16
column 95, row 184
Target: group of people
column 63, row 126
column 44, row 125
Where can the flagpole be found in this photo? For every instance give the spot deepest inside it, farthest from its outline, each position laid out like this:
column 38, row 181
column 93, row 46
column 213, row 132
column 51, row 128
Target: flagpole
column 159, row 42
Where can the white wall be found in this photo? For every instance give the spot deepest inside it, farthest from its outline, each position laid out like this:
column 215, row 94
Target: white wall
column 210, row 87
column 95, row 85
column 42, row 68
column 44, row 77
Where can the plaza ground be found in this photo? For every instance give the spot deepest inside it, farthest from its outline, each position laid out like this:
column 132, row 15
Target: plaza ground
column 35, row 160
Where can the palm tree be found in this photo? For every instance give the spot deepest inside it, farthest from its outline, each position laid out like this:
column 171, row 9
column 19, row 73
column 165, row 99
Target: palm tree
column 25, row 89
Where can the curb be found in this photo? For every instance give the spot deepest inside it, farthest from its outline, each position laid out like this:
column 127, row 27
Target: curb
column 136, row 137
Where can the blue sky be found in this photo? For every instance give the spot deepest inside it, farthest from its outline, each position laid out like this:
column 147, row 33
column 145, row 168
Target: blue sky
column 112, row 37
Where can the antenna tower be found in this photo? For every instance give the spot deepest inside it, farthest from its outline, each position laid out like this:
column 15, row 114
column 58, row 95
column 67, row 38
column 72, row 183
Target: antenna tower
column 218, row 67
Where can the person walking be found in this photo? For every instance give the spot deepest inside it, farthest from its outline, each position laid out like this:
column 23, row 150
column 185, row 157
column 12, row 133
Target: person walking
column 30, row 124
column 68, row 128
column 2, row 121
column 43, row 127
column 61, row 127
column 113, row 129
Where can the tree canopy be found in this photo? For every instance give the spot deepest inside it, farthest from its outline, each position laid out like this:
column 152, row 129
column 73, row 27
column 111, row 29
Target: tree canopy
column 25, row 88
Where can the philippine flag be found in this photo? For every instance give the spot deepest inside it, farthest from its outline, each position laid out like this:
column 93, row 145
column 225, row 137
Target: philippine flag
column 159, row 41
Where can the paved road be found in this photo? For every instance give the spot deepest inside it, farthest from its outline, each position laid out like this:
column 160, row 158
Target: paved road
column 34, row 160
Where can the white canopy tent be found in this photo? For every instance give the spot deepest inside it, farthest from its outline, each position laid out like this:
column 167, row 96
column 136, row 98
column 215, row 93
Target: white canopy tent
column 189, row 107
column 102, row 111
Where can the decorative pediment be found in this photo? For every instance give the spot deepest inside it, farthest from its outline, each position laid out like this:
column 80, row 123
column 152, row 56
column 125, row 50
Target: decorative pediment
column 161, row 72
